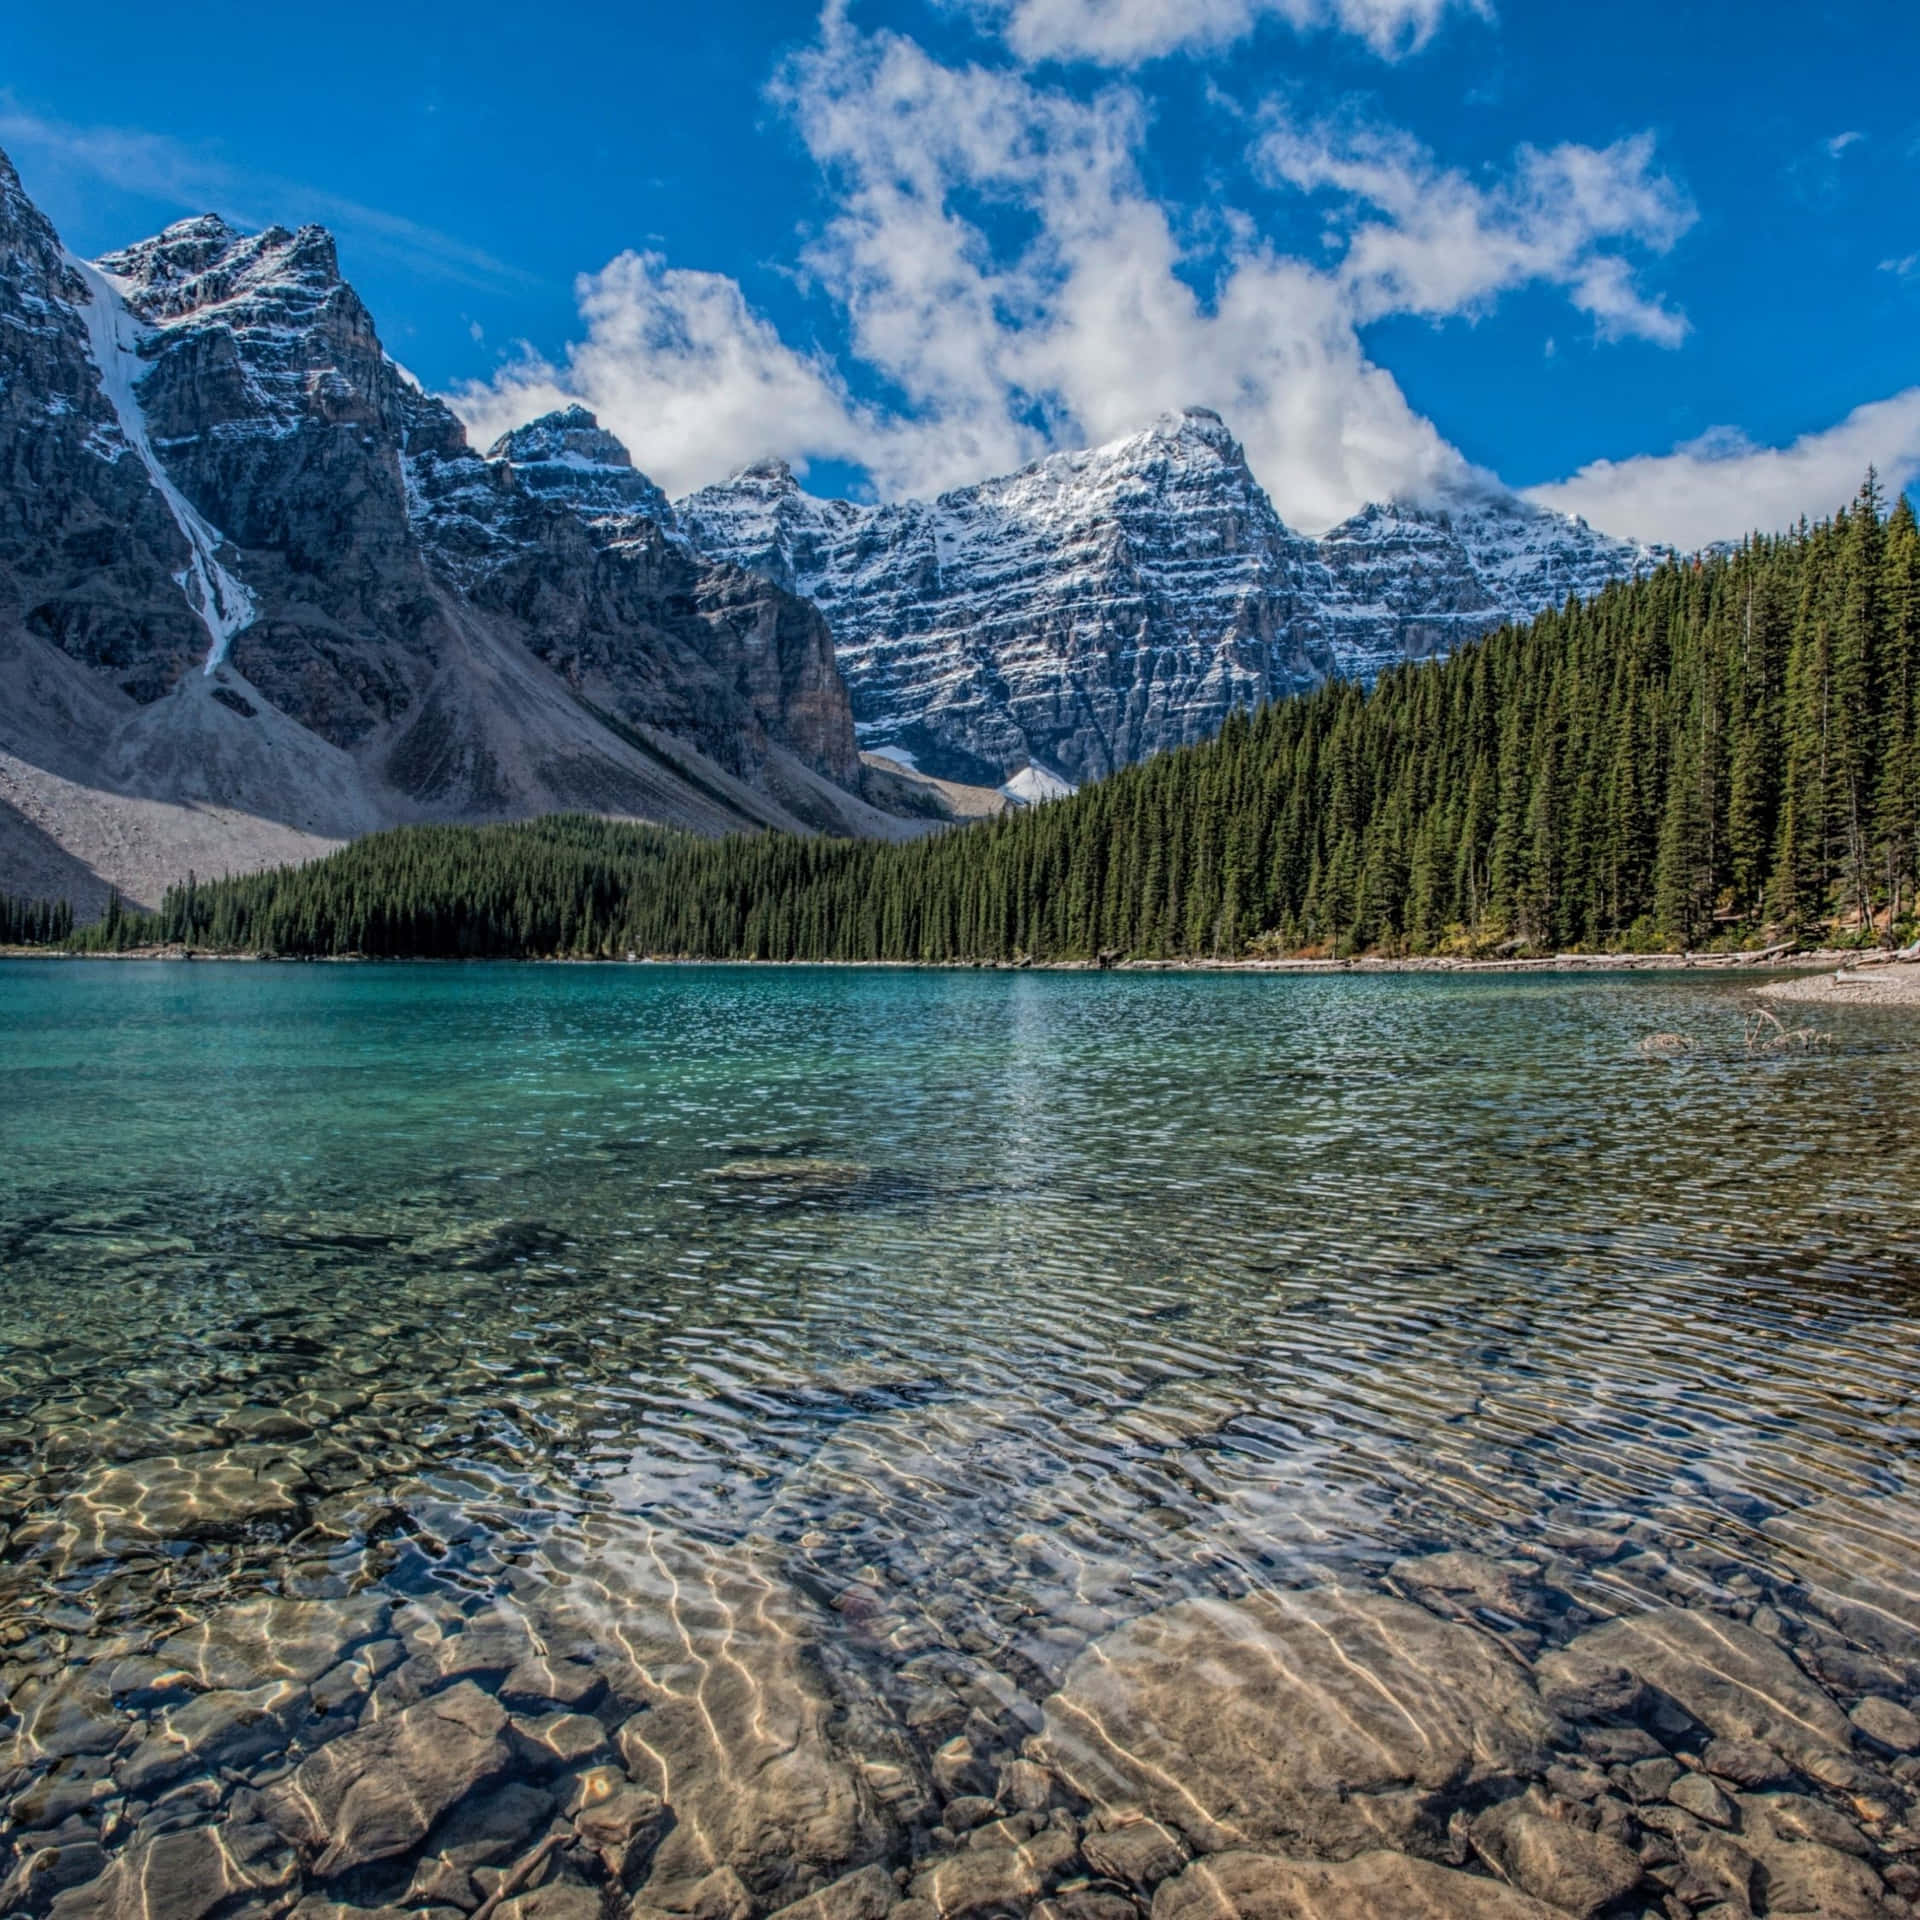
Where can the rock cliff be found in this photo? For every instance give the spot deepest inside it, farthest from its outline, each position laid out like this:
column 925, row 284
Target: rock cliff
column 247, row 564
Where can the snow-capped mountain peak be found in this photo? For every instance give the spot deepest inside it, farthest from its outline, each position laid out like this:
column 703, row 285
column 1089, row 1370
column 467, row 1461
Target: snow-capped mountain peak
column 1102, row 604
column 569, row 458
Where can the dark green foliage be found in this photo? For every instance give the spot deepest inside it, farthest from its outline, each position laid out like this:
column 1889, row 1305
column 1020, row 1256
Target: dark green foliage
column 1724, row 752
column 34, row 923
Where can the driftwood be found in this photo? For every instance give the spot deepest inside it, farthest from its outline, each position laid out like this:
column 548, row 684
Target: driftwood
column 1767, row 1033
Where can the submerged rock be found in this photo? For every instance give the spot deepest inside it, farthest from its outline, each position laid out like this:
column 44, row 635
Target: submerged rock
column 561, row 1901
column 1733, row 1681
column 993, row 1879
column 484, row 1830
column 1371, row 1886
column 1812, row 1860
column 867, row 1894
column 1887, row 1723
column 791, row 1178
column 1746, row 1763
column 1473, row 1580
column 259, row 1640
column 556, row 1740
column 1140, row 1853
column 375, row 1793
column 1857, row 1558
column 227, row 1729
column 1320, row 1720
column 186, row 1876
column 1577, row 1871
column 210, row 1496
column 732, row 1724
column 71, row 1713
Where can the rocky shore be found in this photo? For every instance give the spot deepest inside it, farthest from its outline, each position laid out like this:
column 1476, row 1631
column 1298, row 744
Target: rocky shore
column 1790, row 964
column 1872, row 982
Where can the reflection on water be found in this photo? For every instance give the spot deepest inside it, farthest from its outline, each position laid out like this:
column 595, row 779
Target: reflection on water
column 705, row 1418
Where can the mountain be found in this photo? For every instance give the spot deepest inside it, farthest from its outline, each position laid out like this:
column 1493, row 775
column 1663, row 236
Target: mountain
column 1099, row 606
column 258, row 594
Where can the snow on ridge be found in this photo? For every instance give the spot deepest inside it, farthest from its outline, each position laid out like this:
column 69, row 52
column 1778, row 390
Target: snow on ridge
column 225, row 605
column 1102, row 604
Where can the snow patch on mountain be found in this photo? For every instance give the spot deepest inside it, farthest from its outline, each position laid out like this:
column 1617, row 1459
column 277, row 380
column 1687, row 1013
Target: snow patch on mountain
column 224, row 603
column 1035, row 783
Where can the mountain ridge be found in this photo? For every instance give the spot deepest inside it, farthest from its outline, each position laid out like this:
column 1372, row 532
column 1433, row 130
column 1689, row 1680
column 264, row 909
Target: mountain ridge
column 1103, row 604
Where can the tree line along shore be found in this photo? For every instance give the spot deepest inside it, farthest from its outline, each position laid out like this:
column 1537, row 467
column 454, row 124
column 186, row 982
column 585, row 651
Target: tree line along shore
column 1723, row 756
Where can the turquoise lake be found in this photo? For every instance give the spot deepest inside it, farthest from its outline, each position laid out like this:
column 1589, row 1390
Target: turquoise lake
column 969, row 1315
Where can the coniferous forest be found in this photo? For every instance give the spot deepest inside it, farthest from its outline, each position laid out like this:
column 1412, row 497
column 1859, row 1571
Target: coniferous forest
column 1725, row 753
column 34, row 923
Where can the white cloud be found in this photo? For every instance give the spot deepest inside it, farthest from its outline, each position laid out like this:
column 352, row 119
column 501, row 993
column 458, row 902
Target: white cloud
column 1121, row 33
column 678, row 365
column 1722, row 486
column 1842, row 141
column 1902, row 269
column 1440, row 244
column 1008, row 281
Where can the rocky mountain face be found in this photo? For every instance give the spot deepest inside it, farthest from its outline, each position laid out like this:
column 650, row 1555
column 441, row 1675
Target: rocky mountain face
column 1100, row 606
column 1081, row 613
column 1406, row 582
column 556, row 528
column 247, row 564
column 88, row 547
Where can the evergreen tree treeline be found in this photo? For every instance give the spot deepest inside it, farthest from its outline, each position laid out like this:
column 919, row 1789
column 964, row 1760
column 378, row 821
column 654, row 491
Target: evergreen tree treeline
column 1726, row 751
column 34, row 923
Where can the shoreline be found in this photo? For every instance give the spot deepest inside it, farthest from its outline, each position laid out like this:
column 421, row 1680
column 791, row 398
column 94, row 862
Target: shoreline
column 1870, row 983
column 1844, row 967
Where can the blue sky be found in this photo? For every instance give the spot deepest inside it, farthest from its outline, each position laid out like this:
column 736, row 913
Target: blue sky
column 1660, row 264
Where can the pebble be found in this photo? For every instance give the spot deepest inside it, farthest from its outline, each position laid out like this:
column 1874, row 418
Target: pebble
column 557, row 1740
column 1694, row 1793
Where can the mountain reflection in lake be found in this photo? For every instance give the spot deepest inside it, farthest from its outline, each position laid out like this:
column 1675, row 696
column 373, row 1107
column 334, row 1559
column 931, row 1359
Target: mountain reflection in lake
column 942, row 1443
